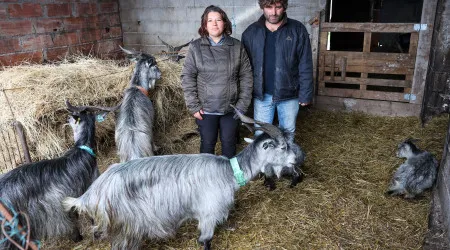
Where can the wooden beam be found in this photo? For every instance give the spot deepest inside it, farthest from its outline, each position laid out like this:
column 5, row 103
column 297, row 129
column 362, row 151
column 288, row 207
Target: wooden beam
column 369, row 27
column 364, row 94
column 423, row 51
column 372, row 81
column 374, row 107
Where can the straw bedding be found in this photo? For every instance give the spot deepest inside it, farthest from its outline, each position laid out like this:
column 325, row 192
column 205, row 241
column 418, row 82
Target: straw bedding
column 339, row 205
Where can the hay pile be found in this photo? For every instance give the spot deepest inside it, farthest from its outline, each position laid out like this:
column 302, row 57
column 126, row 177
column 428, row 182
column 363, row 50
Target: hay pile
column 35, row 96
column 340, row 204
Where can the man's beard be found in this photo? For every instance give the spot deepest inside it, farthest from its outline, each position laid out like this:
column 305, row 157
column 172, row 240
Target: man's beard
column 274, row 19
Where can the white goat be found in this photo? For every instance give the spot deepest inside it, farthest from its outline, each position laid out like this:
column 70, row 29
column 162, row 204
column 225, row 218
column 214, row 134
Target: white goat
column 134, row 126
column 151, row 197
column 38, row 188
column 416, row 174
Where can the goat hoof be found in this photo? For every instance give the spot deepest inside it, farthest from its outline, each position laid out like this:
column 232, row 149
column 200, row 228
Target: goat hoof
column 97, row 235
column 270, row 184
column 296, row 180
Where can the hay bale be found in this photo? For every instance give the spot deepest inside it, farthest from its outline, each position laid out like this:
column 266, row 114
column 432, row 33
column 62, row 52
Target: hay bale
column 35, row 96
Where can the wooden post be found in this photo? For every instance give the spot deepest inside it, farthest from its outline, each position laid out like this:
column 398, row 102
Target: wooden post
column 23, row 140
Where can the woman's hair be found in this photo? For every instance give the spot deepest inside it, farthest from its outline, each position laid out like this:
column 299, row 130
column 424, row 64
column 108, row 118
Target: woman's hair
column 227, row 24
column 264, row 3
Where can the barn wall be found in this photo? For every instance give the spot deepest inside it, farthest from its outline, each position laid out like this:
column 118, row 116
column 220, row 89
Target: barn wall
column 177, row 21
column 40, row 30
column 438, row 76
column 438, row 82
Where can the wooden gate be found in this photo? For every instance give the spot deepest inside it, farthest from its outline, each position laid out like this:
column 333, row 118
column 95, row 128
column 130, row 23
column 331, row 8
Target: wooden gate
column 368, row 74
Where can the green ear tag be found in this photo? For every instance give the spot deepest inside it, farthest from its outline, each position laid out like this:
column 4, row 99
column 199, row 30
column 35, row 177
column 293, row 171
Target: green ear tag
column 100, row 118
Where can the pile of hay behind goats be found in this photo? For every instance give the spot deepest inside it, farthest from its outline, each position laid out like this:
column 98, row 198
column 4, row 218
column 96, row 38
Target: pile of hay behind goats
column 35, row 95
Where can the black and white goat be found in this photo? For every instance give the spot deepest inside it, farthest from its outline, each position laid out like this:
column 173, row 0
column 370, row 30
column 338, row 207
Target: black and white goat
column 134, row 126
column 38, row 188
column 151, row 197
column 416, row 174
column 295, row 173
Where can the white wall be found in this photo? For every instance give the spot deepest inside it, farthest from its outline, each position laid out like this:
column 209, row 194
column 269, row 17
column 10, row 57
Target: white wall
column 177, row 21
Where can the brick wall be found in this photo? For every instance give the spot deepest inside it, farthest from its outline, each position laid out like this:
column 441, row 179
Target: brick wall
column 46, row 30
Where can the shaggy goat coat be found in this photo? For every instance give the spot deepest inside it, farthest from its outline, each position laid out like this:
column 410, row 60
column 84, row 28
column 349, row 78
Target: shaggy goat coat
column 150, row 197
column 37, row 189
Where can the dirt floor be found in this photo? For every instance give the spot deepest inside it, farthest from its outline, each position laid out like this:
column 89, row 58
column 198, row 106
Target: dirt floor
column 341, row 204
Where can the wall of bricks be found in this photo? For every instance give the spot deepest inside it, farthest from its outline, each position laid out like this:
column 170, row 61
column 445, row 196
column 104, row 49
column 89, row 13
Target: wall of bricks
column 47, row 30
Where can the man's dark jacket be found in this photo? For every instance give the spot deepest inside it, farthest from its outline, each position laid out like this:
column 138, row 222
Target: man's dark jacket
column 213, row 77
column 293, row 60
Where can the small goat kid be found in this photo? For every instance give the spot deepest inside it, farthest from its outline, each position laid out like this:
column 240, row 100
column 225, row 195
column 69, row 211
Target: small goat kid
column 134, row 126
column 151, row 197
column 416, row 174
column 38, row 188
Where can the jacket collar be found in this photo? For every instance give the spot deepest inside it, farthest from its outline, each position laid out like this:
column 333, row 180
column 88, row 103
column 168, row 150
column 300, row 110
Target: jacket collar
column 262, row 21
column 227, row 41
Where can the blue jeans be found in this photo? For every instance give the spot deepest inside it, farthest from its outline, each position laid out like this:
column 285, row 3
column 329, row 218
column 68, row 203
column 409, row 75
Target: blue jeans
column 264, row 111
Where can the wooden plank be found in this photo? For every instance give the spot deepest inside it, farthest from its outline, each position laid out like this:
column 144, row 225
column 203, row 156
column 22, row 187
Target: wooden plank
column 372, row 56
column 323, row 41
column 408, row 63
column 372, row 81
column 333, row 65
column 363, row 94
column 369, row 27
column 343, row 68
column 367, row 41
column 414, row 41
column 315, row 43
column 322, row 67
column 375, row 70
column 423, row 51
column 374, row 107
column 409, row 78
column 364, row 76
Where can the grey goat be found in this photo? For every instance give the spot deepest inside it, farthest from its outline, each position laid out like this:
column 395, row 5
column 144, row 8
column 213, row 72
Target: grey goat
column 416, row 174
column 151, row 197
column 134, row 126
column 295, row 173
column 38, row 188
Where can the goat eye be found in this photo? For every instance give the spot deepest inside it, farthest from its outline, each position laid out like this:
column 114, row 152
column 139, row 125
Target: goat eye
column 283, row 148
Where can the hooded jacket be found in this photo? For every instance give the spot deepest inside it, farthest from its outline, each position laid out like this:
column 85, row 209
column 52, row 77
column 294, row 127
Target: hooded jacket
column 293, row 60
column 213, row 77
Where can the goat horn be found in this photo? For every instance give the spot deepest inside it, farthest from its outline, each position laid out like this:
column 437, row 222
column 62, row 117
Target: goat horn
column 70, row 107
column 168, row 45
column 130, row 52
column 270, row 129
column 91, row 108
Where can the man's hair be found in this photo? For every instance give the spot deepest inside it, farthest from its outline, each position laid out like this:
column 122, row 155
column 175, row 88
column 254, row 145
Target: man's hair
column 264, row 3
column 227, row 24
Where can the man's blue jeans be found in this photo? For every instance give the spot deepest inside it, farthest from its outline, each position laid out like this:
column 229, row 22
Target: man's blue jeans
column 287, row 111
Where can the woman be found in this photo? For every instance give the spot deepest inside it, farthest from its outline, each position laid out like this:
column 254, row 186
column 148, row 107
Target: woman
column 216, row 73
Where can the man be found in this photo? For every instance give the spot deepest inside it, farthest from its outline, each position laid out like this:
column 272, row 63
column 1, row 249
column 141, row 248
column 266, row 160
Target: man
column 280, row 54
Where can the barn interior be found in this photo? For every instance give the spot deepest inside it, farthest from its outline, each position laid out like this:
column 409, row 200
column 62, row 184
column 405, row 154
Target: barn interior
column 363, row 109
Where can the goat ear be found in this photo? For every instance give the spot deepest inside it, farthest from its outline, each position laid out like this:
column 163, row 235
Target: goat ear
column 248, row 140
